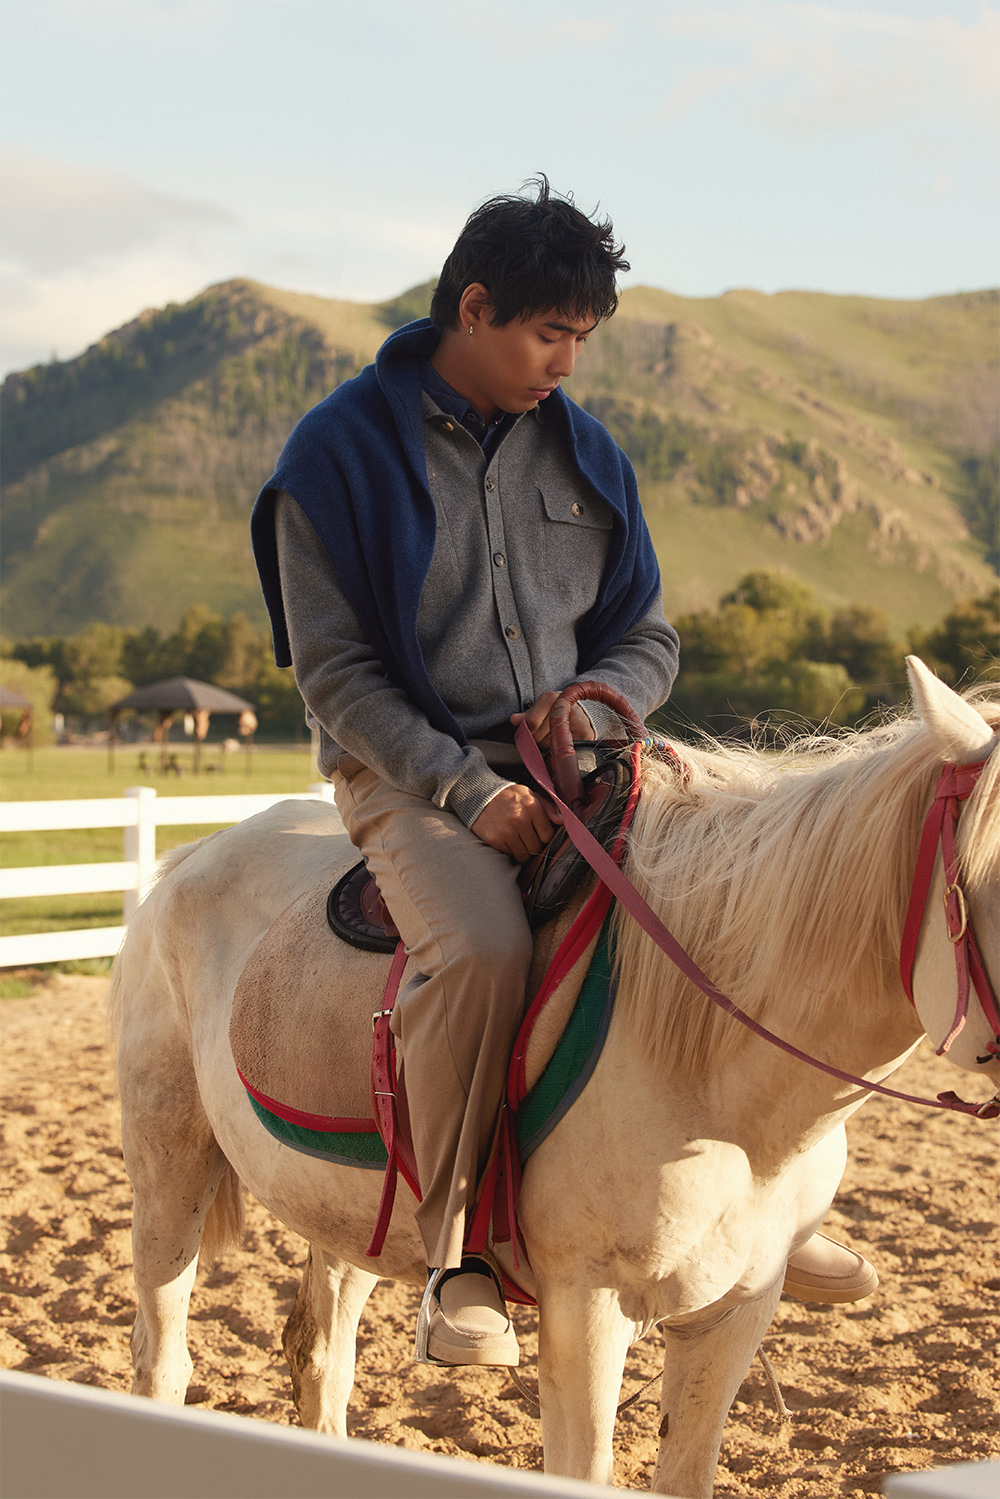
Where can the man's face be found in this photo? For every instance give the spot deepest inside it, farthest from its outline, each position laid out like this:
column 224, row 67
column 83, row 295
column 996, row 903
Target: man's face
column 514, row 367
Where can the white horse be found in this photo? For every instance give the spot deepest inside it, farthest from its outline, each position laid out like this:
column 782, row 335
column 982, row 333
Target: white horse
column 697, row 1158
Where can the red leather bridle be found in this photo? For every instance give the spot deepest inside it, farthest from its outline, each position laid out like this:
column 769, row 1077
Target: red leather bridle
column 955, row 784
column 563, row 760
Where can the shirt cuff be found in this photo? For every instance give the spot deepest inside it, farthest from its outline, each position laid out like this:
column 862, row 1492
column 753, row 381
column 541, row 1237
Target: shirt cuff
column 607, row 724
column 473, row 790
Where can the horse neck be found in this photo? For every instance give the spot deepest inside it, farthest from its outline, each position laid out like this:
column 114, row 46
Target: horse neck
column 795, row 916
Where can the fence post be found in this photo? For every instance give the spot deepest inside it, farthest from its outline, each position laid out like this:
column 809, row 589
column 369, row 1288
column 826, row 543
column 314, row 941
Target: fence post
column 140, row 847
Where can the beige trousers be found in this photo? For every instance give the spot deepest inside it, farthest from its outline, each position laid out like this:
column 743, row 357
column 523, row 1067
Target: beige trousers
column 458, row 909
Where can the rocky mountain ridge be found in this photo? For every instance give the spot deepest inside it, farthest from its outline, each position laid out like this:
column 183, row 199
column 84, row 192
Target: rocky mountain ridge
column 847, row 441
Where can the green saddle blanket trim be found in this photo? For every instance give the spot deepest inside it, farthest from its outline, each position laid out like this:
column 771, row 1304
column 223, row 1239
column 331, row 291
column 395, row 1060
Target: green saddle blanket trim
column 343, row 1147
column 569, row 1068
column 561, row 1083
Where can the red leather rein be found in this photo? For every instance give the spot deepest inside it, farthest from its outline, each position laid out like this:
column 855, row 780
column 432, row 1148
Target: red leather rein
column 629, row 897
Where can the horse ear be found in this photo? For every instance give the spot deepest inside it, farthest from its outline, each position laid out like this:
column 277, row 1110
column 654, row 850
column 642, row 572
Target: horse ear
column 961, row 734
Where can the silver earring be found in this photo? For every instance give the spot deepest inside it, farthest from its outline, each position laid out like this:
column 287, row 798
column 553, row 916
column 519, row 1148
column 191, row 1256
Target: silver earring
column 470, row 330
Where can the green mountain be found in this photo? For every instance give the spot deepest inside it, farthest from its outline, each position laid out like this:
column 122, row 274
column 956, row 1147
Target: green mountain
column 846, row 440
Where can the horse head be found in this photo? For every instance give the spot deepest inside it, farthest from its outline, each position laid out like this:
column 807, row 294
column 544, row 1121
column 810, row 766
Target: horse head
column 961, row 737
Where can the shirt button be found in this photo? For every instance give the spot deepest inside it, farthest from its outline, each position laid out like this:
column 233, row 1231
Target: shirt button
column 489, row 484
column 448, row 426
column 577, row 509
column 499, row 559
column 512, row 632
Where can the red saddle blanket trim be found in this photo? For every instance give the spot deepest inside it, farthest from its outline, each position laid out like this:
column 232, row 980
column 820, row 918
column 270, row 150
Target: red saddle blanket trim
column 324, row 1122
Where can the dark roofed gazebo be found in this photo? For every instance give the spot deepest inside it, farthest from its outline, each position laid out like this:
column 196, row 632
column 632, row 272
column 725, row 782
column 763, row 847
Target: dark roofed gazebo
column 183, row 695
column 11, row 699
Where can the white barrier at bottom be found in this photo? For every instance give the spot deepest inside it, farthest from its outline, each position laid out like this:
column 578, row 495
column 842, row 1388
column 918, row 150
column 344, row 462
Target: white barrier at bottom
column 68, row 1441
column 963, row 1481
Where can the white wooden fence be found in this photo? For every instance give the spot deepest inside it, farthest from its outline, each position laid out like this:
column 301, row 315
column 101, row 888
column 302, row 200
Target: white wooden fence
column 67, row 1441
column 139, row 812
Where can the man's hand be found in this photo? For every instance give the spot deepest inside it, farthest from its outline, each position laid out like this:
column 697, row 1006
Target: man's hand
column 537, row 719
column 515, row 822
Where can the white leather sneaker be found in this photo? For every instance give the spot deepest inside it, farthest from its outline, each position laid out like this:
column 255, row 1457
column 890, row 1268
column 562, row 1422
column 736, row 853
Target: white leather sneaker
column 467, row 1320
column 825, row 1271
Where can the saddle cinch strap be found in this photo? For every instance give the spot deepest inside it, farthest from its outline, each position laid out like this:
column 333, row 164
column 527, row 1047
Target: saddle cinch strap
column 383, row 1096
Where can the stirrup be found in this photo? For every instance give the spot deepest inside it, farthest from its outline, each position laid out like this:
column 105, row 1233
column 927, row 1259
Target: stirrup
column 420, row 1354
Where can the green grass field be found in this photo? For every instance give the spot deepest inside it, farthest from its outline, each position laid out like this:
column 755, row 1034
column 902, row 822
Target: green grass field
column 68, row 773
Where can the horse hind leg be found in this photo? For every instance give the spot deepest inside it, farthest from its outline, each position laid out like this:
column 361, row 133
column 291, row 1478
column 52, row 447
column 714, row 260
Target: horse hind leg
column 181, row 1182
column 320, row 1339
column 175, row 1184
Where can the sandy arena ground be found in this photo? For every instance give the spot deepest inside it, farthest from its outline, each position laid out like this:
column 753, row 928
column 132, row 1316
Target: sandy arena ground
column 900, row 1382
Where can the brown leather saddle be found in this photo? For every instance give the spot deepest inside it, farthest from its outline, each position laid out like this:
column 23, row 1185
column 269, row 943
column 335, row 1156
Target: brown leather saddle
column 357, row 913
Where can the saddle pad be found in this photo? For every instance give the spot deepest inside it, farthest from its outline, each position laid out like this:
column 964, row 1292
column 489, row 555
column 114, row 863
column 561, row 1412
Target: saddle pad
column 301, row 1037
column 301, row 1026
column 560, row 1085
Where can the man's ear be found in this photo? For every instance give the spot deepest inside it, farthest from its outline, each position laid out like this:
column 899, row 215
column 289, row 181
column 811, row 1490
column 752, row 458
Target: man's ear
column 474, row 307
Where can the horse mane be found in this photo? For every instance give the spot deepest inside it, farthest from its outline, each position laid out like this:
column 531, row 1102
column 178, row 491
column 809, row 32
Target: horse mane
column 786, row 876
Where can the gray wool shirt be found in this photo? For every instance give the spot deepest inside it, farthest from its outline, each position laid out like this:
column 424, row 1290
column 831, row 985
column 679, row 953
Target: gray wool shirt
column 520, row 548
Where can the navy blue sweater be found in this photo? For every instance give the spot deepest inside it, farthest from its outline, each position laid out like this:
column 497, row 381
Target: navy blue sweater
column 355, row 464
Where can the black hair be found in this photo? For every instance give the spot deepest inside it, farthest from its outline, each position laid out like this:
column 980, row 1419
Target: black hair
column 532, row 254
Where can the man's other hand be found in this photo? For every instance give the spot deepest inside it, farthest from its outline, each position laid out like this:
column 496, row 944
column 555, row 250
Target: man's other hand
column 537, row 719
column 515, row 822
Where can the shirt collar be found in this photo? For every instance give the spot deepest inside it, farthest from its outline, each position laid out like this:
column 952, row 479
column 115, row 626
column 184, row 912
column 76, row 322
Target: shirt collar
column 448, row 399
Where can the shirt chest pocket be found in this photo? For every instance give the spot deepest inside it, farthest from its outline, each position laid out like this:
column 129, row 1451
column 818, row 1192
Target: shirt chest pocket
column 576, row 532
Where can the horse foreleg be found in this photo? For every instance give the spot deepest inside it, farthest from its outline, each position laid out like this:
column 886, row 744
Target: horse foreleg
column 582, row 1342
column 702, row 1370
column 320, row 1339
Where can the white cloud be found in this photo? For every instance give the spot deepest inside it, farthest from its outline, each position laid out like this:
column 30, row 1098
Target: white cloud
column 84, row 250
column 811, row 68
column 89, row 250
column 500, row 27
column 695, row 86
column 376, row 232
column 574, row 31
column 59, row 216
column 67, row 310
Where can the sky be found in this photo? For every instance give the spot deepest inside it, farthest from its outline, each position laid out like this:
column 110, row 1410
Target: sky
column 151, row 148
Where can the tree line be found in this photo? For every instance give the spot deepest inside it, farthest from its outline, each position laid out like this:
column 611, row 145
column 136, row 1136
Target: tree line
column 81, row 675
column 766, row 654
column 769, row 655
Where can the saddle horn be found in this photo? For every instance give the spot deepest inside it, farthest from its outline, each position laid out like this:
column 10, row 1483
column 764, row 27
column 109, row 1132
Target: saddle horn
column 562, row 756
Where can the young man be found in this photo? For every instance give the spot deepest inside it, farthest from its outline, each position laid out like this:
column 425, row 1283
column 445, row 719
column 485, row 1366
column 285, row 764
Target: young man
column 446, row 543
